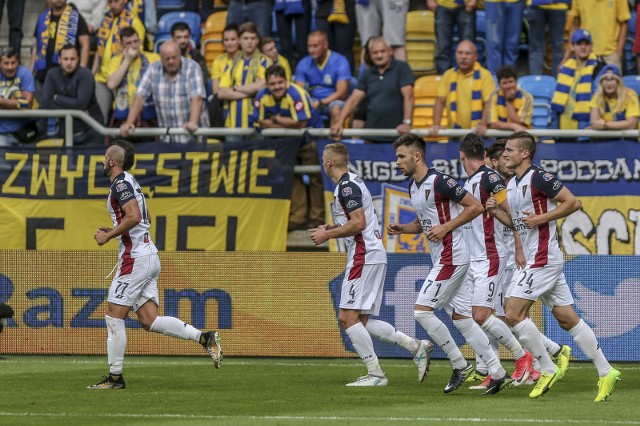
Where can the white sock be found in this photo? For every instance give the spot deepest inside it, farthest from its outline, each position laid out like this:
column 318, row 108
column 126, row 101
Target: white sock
column 536, row 364
column 387, row 333
column 480, row 343
column 552, row 347
column 116, row 344
column 586, row 340
column 364, row 347
column 531, row 338
column 441, row 336
column 501, row 333
column 174, row 327
column 481, row 366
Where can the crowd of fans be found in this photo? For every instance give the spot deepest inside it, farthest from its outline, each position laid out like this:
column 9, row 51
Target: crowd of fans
column 96, row 56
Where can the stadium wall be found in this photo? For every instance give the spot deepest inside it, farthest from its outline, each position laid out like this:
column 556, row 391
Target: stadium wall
column 271, row 303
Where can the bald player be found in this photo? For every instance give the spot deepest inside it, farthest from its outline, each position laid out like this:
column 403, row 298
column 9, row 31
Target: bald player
column 135, row 284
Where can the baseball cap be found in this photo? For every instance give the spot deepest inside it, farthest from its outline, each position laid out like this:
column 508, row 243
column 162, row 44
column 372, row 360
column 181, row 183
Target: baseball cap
column 581, row 34
column 610, row 68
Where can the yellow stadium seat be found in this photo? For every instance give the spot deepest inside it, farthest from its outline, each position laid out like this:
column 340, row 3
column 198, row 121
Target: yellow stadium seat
column 425, row 92
column 421, row 41
column 212, row 37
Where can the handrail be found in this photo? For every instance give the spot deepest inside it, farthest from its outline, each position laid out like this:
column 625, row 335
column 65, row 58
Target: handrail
column 69, row 115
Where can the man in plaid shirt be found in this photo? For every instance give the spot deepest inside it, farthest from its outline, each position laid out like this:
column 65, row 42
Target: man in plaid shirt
column 177, row 87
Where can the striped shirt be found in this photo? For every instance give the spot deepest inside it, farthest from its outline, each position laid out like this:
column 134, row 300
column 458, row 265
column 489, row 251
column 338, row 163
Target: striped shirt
column 172, row 97
column 296, row 104
column 239, row 113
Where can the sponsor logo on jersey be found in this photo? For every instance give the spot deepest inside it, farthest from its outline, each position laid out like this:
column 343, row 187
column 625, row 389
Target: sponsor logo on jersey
column 556, row 185
column 351, row 204
column 459, row 190
column 126, row 195
column 346, row 191
column 499, row 187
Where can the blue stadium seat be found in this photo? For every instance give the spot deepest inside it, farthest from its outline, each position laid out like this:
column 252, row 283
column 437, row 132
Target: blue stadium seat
column 632, row 82
column 541, row 88
column 192, row 19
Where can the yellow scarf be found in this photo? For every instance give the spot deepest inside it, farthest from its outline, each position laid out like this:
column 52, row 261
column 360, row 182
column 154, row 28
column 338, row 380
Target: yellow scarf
column 501, row 105
column 583, row 88
column 106, row 30
column 339, row 13
column 476, row 97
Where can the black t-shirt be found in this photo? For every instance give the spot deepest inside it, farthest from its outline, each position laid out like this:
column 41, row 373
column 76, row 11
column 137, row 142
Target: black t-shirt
column 83, row 29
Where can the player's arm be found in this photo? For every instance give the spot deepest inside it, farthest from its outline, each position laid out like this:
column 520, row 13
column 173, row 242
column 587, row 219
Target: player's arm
column 567, row 204
column 406, row 228
column 472, row 208
column 356, row 224
column 131, row 218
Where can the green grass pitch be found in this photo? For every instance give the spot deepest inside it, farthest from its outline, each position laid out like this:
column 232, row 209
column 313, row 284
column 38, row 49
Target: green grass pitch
column 51, row 390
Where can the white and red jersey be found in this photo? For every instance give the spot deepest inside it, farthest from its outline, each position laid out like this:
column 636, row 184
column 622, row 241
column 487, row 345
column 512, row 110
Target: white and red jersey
column 505, row 235
column 365, row 247
column 136, row 242
column 435, row 200
column 534, row 192
column 482, row 240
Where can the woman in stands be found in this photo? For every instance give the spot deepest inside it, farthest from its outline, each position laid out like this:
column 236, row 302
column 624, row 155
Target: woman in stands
column 614, row 106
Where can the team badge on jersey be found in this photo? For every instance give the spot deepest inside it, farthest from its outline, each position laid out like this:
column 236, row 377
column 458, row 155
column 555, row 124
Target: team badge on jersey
column 327, row 79
column 473, row 188
column 299, row 106
column 121, row 186
column 451, row 182
column 493, row 177
column 426, row 194
column 346, row 191
column 547, row 176
column 524, row 190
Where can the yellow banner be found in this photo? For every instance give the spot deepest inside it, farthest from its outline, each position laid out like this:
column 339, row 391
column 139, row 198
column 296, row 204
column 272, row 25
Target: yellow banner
column 177, row 223
column 266, row 304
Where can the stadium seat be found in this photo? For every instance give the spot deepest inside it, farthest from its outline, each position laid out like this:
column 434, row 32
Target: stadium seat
column 425, row 92
column 192, row 19
column 212, row 37
column 632, row 82
column 541, row 88
column 421, row 41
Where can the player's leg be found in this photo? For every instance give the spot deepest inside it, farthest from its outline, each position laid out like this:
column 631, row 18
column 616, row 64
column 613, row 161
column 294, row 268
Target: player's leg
column 460, row 311
column 486, row 276
column 530, row 285
column 146, row 308
column 357, row 298
column 387, row 333
column 561, row 301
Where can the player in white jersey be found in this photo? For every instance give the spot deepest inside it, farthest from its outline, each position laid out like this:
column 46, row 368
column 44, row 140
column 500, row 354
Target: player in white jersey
column 487, row 254
column 362, row 288
column 135, row 284
column 442, row 209
column 537, row 201
column 560, row 354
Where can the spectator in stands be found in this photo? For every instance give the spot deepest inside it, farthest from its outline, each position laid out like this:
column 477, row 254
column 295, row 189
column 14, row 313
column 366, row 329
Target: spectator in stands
column 511, row 108
column 243, row 79
column 116, row 18
column 288, row 106
column 125, row 72
column 325, row 75
column 574, row 89
column 465, row 91
column 608, row 23
column 256, row 11
column 504, row 24
column 231, row 43
column 270, row 50
column 449, row 13
column 16, row 92
column 614, row 106
column 146, row 12
column 71, row 86
column 293, row 15
column 388, row 87
column 386, row 18
column 181, row 34
column 546, row 18
column 92, row 11
column 338, row 20
column 59, row 25
column 177, row 87
column 15, row 9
